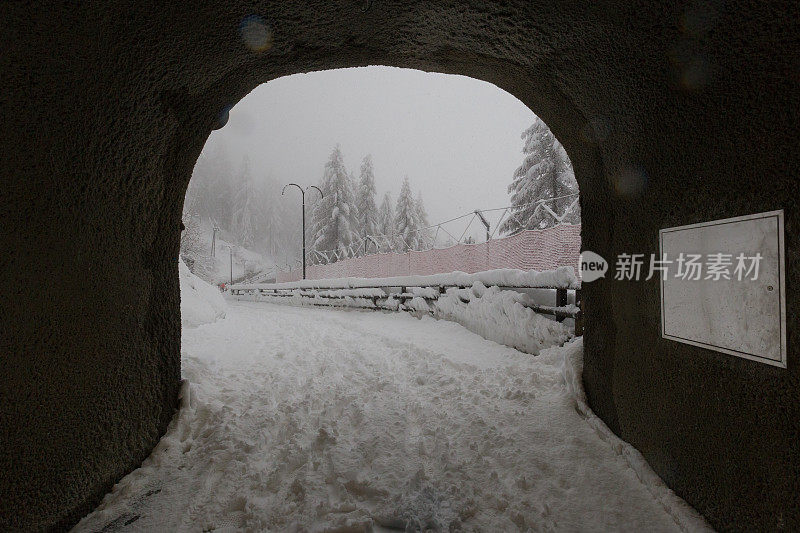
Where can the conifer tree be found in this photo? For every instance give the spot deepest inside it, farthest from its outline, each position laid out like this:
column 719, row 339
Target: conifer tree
column 365, row 199
column 245, row 203
column 334, row 218
column 545, row 173
column 386, row 222
column 406, row 220
column 210, row 193
column 276, row 221
column 424, row 239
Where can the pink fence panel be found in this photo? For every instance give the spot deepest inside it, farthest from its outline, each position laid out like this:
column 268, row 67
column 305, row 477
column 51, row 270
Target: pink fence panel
column 543, row 249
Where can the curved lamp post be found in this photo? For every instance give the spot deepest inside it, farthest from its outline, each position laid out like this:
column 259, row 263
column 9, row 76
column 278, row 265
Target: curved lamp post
column 303, row 193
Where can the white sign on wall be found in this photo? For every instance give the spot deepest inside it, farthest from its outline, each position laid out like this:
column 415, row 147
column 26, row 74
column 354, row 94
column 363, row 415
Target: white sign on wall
column 737, row 305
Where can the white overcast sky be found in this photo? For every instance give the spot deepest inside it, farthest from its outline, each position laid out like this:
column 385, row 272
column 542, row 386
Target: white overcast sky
column 457, row 138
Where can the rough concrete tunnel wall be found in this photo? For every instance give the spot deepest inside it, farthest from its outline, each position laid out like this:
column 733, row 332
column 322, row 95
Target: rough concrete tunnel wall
column 672, row 115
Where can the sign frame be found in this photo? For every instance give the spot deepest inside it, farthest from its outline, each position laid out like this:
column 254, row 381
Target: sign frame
column 778, row 214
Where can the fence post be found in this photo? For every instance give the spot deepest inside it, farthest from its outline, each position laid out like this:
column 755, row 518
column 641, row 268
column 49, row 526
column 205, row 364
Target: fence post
column 579, row 316
column 561, row 301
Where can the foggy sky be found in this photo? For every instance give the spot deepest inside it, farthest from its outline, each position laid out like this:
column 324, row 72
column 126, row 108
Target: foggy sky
column 457, row 138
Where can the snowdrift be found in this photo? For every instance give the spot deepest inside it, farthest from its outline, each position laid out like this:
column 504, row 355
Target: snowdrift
column 201, row 303
column 499, row 316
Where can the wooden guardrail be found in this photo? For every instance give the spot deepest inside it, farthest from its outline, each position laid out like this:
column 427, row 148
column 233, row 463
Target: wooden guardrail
column 379, row 294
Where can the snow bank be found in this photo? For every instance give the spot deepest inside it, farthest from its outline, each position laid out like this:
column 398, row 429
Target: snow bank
column 571, row 358
column 201, row 303
column 562, row 277
column 501, row 316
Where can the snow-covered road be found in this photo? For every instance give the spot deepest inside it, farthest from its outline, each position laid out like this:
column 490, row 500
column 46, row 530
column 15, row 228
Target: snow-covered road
column 331, row 420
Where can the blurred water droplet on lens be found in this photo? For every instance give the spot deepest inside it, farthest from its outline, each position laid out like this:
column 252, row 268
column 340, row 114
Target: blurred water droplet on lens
column 695, row 73
column 595, row 131
column 256, row 34
column 630, row 181
column 692, row 69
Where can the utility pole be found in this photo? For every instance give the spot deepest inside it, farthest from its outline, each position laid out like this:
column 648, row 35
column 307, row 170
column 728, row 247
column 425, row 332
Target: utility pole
column 303, row 193
column 485, row 222
column 230, row 248
column 214, row 231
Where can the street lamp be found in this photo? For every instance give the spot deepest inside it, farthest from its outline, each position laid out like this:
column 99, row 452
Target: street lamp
column 303, row 192
column 230, row 249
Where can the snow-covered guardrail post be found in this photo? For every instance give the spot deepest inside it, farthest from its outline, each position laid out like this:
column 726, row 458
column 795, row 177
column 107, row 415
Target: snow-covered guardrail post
column 561, row 301
column 579, row 315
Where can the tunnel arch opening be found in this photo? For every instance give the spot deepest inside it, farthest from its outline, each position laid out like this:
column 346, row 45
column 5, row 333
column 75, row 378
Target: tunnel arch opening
column 480, row 156
column 131, row 96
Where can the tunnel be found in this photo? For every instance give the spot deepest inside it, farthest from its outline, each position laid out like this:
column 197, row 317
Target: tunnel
column 672, row 113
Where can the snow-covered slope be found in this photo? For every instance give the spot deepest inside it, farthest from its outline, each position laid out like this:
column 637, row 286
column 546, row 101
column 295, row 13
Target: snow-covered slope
column 246, row 262
column 201, row 303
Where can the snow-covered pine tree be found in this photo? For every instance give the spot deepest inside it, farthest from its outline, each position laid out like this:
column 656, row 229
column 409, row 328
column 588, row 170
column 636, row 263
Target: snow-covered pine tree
column 406, row 220
column 355, row 215
column 365, row 199
column 196, row 201
column 386, row 222
column 194, row 249
column 245, row 204
column 424, row 237
column 289, row 238
column 334, row 218
column 386, row 215
column 546, row 172
column 210, row 193
column 273, row 218
column 568, row 208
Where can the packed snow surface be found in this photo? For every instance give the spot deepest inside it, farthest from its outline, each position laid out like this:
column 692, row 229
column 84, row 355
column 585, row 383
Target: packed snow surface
column 201, row 302
column 316, row 419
